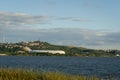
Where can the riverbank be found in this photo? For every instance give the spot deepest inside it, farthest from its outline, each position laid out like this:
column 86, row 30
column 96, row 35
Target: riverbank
column 21, row 74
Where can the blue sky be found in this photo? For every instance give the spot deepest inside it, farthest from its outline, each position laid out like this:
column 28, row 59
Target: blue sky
column 89, row 23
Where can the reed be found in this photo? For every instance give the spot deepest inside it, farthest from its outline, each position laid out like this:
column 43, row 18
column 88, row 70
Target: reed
column 21, row 74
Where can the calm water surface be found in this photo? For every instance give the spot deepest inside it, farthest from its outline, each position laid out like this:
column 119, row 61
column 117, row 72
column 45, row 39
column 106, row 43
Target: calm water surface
column 98, row 66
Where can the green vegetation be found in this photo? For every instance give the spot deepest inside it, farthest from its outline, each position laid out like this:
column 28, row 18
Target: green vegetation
column 15, row 48
column 19, row 74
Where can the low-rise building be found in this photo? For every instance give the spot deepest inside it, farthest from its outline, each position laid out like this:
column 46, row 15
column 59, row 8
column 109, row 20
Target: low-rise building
column 48, row 51
column 44, row 51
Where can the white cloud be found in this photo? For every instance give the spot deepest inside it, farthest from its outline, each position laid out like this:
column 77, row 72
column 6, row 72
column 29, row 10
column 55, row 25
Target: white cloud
column 101, row 34
column 22, row 20
column 16, row 20
column 75, row 19
column 19, row 27
column 67, row 36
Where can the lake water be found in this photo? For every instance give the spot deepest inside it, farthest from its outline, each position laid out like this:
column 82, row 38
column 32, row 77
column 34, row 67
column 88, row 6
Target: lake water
column 105, row 67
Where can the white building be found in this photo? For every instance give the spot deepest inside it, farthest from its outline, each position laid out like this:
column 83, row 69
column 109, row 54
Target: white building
column 44, row 51
column 48, row 51
column 3, row 54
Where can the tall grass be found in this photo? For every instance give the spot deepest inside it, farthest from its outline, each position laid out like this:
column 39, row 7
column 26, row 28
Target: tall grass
column 20, row 74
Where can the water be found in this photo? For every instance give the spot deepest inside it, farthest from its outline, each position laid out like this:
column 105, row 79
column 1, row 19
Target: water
column 89, row 66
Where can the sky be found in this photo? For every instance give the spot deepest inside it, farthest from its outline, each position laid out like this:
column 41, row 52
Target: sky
column 84, row 23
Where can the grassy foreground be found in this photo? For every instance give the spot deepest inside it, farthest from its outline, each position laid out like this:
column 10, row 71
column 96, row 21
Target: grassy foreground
column 19, row 74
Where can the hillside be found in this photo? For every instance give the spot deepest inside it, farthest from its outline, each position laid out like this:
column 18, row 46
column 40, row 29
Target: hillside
column 39, row 45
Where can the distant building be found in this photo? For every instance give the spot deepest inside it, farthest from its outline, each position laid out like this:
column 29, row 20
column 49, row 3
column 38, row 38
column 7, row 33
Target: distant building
column 44, row 51
column 33, row 44
column 21, row 52
column 117, row 55
column 3, row 54
column 48, row 51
